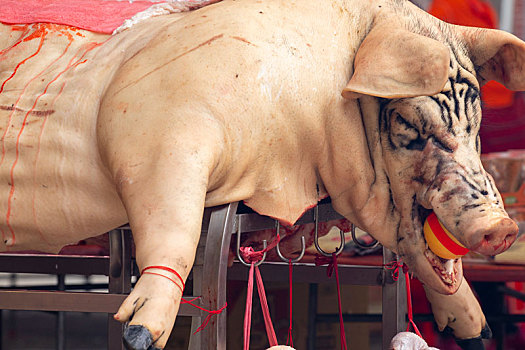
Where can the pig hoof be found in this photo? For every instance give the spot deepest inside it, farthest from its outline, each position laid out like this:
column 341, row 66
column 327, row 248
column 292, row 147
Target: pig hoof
column 137, row 337
column 471, row 344
column 486, row 332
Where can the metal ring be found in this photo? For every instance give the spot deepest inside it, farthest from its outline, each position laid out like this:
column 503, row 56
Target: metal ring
column 372, row 245
column 316, row 238
column 303, row 249
column 239, row 247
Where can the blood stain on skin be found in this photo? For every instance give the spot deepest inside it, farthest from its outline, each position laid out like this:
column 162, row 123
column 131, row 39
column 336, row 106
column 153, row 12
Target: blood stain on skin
column 42, row 113
column 40, row 31
column 3, row 53
column 243, row 40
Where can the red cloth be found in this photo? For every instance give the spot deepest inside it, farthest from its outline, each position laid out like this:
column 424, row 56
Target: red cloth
column 503, row 129
column 94, row 15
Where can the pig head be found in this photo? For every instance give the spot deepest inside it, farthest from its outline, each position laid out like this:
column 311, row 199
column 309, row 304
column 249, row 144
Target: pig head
column 426, row 143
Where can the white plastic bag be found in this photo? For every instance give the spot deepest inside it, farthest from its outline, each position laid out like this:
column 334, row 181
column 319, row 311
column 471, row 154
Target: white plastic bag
column 409, row 341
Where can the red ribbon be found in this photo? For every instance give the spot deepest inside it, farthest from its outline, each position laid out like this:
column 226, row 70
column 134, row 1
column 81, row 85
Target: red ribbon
column 332, row 266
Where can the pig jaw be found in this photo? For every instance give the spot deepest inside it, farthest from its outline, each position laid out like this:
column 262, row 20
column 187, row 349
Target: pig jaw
column 438, row 274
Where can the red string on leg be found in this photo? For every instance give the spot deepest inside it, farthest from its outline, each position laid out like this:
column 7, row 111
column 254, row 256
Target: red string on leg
column 165, row 268
column 289, row 338
column 161, row 275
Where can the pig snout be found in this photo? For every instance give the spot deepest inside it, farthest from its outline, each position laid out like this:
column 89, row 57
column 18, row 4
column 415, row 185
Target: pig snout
column 495, row 238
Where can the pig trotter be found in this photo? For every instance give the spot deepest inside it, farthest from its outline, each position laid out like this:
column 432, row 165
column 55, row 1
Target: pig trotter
column 471, row 344
column 138, row 337
column 475, row 343
column 486, row 332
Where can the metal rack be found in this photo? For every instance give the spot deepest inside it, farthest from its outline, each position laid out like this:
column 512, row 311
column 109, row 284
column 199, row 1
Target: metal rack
column 209, row 277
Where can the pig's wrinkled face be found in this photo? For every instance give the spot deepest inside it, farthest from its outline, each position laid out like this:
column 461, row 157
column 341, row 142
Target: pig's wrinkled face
column 431, row 152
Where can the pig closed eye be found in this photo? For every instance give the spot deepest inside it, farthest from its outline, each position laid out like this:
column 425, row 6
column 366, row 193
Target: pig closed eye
column 405, row 135
column 417, row 144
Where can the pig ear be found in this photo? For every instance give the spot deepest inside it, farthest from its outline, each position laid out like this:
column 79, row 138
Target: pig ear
column 396, row 63
column 497, row 55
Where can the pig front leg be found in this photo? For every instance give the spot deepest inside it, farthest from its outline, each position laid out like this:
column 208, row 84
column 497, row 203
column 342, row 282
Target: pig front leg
column 165, row 207
column 163, row 151
column 462, row 313
column 163, row 191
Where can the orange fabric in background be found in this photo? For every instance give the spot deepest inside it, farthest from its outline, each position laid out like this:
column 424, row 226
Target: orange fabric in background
column 475, row 13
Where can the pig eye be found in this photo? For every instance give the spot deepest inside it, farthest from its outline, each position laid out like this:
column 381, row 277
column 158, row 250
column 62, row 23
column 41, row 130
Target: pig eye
column 406, row 135
column 417, row 144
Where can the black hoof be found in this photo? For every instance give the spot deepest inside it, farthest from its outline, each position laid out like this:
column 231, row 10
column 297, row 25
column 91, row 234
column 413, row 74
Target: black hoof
column 471, row 344
column 486, row 332
column 137, row 337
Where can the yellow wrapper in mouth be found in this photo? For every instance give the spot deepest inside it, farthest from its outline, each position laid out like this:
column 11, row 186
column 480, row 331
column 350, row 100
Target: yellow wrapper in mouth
column 440, row 241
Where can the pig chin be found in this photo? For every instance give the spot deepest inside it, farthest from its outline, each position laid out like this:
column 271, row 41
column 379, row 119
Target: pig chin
column 443, row 276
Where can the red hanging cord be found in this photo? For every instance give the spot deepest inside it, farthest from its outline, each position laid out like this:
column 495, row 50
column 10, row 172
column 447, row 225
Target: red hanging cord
column 332, row 266
column 289, row 338
column 248, row 310
column 266, row 311
column 252, row 257
column 210, row 312
column 394, row 266
column 409, row 303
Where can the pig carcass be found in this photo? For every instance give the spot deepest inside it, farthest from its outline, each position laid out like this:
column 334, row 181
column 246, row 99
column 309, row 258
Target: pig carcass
column 275, row 103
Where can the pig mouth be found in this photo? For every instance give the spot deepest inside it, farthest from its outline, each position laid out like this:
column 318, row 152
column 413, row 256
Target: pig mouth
column 447, row 270
column 443, row 275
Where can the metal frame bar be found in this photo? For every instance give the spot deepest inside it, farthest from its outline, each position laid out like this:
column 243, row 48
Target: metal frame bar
column 209, row 280
column 394, row 302
column 306, row 273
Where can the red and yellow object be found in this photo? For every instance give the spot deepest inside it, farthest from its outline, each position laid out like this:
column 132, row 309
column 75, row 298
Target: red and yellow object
column 440, row 241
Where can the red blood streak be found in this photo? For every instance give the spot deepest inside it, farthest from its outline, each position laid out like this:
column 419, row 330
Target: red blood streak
column 5, row 51
column 70, row 65
column 21, row 95
column 40, row 140
column 24, row 61
column 11, row 192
